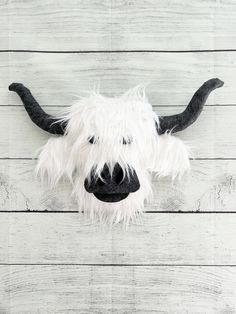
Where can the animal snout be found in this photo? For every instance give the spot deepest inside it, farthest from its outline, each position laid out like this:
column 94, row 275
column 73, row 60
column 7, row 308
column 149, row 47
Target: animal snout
column 112, row 186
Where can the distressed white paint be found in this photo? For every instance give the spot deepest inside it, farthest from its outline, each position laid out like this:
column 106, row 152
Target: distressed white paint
column 47, row 238
column 21, row 191
column 39, row 238
column 120, row 290
column 119, row 24
column 56, row 79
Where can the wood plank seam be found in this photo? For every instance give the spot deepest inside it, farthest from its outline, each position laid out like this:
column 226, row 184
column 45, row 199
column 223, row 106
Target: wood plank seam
column 154, row 106
column 118, row 51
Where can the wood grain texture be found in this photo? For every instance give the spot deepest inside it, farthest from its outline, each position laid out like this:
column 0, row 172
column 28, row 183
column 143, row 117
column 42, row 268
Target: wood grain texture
column 118, row 290
column 38, row 238
column 123, row 24
column 208, row 138
column 156, row 261
column 211, row 186
column 58, row 79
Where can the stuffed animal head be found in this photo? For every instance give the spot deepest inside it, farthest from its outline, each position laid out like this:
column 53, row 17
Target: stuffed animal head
column 109, row 148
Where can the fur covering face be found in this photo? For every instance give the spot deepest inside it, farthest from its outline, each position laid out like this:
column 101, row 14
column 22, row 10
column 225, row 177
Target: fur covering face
column 109, row 149
column 123, row 130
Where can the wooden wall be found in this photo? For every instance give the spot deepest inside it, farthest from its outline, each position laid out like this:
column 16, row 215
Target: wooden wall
column 182, row 257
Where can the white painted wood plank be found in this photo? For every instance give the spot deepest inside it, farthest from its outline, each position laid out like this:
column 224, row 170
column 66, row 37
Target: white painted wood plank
column 209, row 187
column 205, row 239
column 122, row 24
column 56, row 79
column 123, row 290
column 209, row 137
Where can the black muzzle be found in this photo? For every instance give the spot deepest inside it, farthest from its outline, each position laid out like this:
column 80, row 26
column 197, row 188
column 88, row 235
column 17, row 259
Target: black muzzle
column 112, row 187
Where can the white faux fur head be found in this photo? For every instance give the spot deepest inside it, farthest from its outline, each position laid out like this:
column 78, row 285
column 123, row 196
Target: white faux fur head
column 101, row 131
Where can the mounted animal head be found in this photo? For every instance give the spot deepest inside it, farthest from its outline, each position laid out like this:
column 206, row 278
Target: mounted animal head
column 109, row 147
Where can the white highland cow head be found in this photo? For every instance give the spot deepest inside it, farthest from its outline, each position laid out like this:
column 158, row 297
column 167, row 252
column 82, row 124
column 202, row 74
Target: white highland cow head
column 110, row 147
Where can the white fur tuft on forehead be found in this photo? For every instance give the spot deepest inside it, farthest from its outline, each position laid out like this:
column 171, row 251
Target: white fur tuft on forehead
column 119, row 129
column 111, row 118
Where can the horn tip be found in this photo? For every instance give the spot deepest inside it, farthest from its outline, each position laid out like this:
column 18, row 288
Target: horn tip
column 219, row 82
column 216, row 82
column 13, row 87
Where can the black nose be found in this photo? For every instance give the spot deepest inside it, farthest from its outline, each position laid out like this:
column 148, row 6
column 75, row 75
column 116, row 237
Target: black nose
column 112, row 187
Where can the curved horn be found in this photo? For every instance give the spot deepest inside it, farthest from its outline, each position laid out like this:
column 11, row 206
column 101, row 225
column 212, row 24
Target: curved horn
column 181, row 121
column 43, row 120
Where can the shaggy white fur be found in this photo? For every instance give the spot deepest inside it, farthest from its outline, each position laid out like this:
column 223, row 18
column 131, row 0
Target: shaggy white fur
column 110, row 121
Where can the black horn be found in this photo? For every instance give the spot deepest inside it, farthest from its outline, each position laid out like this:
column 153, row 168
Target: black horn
column 43, row 120
column 181, row 121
